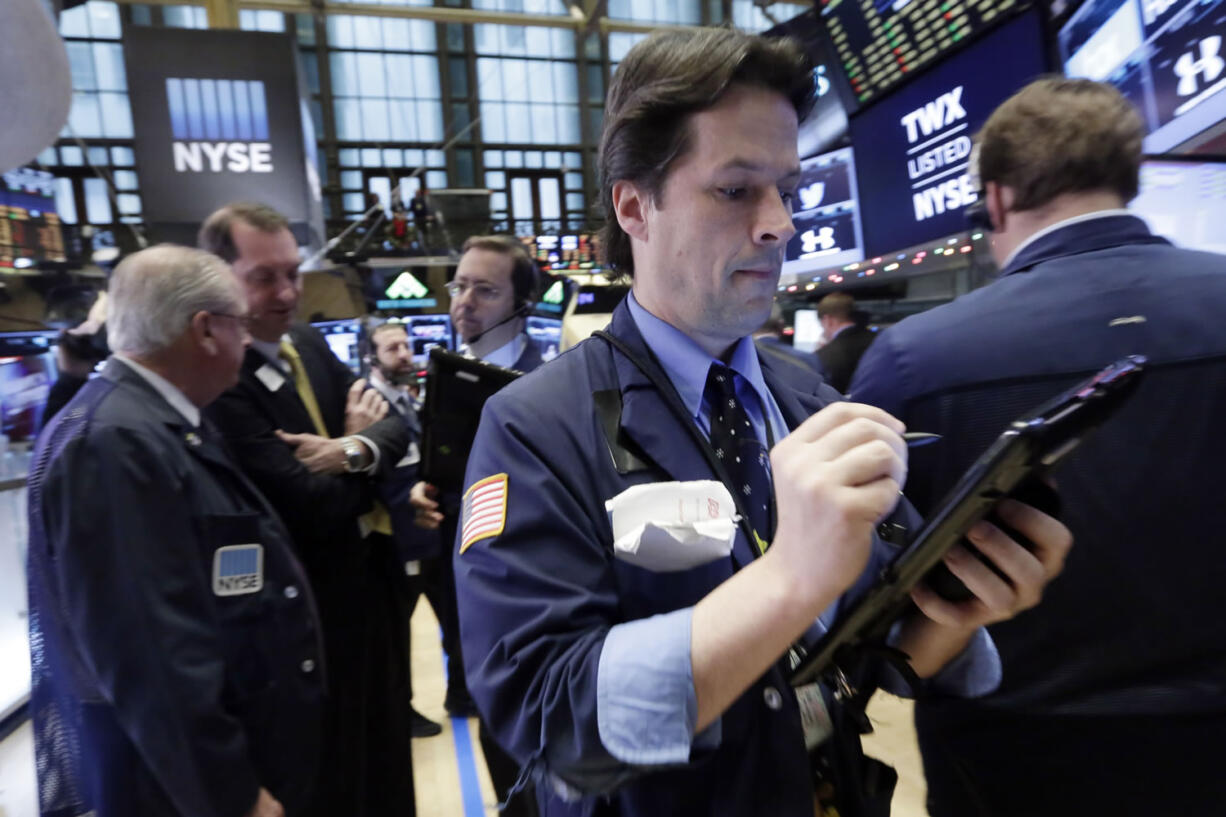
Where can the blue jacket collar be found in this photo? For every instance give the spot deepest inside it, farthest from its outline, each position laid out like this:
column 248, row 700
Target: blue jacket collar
column 1086, row 236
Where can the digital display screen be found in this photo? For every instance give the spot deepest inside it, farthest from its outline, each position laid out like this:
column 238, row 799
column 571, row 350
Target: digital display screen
column 555, row 295
column 27, row 370
column 403, row 290
column 825, row 127
column 343, row 339
column 546, row 333
column 428, row 331
column 565, row 252
column 1184, row 202
column 29, row 227
column 1166, row 56
column 916, row 186
column 880, row 43
column 598, row 299
column 825, row 215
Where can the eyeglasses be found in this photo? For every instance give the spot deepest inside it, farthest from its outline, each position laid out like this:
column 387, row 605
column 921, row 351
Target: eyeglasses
column 243, row 320
column 484, row 292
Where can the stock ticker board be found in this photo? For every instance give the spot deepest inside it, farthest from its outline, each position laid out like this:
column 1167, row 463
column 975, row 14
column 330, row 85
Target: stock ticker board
column 879, row 43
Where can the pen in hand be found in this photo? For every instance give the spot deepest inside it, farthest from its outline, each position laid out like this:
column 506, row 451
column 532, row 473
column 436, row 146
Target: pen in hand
column 917, row 438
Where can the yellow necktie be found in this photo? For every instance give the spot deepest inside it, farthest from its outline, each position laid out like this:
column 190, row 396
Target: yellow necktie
column 303, row 385
column 378, row 518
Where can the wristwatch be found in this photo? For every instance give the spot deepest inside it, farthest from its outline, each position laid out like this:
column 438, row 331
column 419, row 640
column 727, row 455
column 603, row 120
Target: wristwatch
column 353, row 454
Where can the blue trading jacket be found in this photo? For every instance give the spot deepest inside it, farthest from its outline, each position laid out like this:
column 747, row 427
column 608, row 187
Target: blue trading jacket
column 537, row 600
column 157, row 692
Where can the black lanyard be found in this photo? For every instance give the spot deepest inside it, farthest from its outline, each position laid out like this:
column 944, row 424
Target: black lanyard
column 652, row 370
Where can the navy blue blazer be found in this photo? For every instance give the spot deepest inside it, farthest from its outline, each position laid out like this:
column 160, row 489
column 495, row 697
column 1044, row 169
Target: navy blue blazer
column 537, row 600
column 158, row 691
column 1142, row 587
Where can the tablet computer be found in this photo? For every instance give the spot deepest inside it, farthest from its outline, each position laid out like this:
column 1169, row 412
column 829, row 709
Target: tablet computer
column 1028, row 448
column 456, row 390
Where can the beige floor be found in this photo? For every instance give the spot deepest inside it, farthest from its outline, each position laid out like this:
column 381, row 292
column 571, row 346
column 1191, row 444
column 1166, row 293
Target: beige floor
column 436, row 773
column 437, row 776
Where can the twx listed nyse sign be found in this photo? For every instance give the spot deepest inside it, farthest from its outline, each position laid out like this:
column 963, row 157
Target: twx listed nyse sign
column 937, row 165
column 218, row 118
column 913, row 146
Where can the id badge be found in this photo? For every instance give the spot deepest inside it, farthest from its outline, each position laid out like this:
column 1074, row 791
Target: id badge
column 814, row 717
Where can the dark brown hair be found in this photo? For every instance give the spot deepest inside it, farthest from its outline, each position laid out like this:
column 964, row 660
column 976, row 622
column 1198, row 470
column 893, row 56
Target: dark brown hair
column 216, row 234
column 525, row 277
column 662, row 82
column 1059, row 136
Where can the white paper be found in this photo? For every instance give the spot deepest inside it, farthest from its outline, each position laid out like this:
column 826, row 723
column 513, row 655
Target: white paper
column 670, row 526
column 270, row 376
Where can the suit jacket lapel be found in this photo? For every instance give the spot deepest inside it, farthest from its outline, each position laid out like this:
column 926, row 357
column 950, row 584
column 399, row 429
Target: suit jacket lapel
column 646, row 417
column 283, row 404
column 796, row 402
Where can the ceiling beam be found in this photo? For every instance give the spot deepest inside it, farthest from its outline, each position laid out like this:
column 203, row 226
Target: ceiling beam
column 577, row 18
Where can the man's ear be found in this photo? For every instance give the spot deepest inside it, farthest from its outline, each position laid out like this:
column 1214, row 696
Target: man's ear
column 630, row 206
column 999, row 200
column 201, row 329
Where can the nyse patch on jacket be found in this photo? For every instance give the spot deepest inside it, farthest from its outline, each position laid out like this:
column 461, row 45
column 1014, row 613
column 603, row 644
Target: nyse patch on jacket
column 484, row 512
column 238, row 569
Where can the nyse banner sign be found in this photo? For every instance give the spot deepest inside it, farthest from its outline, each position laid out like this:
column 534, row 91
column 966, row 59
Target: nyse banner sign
column 218, row 119
column 919, row 138
column 204, row 110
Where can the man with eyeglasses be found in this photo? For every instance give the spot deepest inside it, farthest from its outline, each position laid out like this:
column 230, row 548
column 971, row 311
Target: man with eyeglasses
column 495, row 287
column 493, row 291
column 171, row 623
column 316, row 442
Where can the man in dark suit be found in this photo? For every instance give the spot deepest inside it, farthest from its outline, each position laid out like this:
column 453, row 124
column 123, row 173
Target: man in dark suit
column 846, row 338
column 175, row 647
column 391, row 370
column 494, row 288
column 1114, row 692
column 315, row 441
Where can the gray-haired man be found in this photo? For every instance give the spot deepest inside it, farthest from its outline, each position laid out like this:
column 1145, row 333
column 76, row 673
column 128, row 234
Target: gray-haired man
column 173, row 634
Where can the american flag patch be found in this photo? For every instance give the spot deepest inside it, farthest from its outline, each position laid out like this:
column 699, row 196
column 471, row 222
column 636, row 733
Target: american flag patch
column 484, row 511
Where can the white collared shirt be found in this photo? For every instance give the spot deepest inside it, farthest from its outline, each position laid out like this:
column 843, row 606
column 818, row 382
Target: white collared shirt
column 271, row 349
column 508, row 353
column 395, row 395
column 1068, row 222
column 169, row 391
